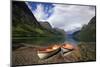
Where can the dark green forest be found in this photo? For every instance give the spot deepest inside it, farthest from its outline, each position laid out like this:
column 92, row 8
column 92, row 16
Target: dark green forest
column 88, row 32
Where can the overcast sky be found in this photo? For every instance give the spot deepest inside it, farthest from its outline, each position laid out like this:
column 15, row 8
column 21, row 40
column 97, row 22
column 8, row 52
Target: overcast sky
column 63, row 16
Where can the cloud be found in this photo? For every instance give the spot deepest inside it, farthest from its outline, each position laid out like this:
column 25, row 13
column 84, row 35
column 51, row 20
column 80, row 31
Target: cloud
column 41, row 10
column 69, row 17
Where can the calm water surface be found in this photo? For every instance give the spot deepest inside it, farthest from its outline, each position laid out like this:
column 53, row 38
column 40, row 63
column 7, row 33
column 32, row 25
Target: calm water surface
column 45, row 40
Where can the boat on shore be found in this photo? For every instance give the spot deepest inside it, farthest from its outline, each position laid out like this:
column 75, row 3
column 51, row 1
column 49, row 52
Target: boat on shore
column 66, row 48
column 44, row 53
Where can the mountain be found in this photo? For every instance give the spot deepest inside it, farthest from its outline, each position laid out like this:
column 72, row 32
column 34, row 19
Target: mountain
column 88, row 32
column 58, row 31
column 71, row 32
column 45, row 25
column 24, row 23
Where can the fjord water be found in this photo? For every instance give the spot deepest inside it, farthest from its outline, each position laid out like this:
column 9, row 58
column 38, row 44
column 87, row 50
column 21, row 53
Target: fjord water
column 46, row 41
column 70, row 39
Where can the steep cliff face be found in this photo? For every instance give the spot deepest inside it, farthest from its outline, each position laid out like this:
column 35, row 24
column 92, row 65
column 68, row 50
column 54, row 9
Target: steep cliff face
column 22, row 13
column 88, row 32
column 24, row 23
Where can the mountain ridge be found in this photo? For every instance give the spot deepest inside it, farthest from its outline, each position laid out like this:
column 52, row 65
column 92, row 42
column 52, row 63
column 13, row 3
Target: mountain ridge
column 88, row 32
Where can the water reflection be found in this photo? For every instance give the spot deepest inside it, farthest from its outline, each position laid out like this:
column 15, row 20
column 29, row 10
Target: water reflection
column 71, row 39
column 45, row 40
column 40, row 40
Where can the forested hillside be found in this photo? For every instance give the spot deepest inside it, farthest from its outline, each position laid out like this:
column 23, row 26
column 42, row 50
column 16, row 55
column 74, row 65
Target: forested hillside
column 88, row 32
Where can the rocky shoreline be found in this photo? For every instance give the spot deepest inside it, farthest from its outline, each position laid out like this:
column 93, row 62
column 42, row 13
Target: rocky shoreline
column 28, row 56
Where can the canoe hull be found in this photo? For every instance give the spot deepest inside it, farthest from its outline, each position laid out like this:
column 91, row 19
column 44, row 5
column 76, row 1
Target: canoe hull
column 45, row 55
column 66, row 51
